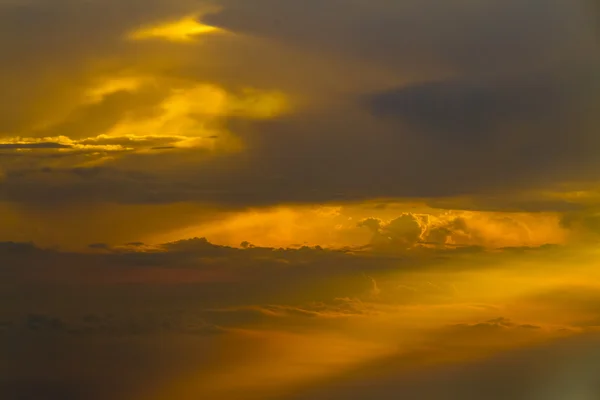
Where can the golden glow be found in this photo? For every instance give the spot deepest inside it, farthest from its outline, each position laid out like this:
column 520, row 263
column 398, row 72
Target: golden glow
column 183, row 30
column 194, row 113
column 68, row 143
column 483, row 311
column 258, row 104
column 189, row 116
column 287, row 359
column 97, row 93
column 338, row 226
column 156, row 112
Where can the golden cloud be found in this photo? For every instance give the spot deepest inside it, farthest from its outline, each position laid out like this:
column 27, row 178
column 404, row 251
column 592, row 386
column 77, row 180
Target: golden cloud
column 394, row 228
column 183, row 30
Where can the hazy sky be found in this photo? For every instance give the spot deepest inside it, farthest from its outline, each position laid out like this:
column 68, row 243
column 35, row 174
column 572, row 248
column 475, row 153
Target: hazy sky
column 294, row 200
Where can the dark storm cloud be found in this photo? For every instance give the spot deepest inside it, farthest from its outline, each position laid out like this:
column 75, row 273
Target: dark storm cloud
column 41, row 366
column 32, row 390
column 446, row 138
column 496, row 127
column 533, row 124
column 311, row 281
column 464, row 113
column 457, row 35
column 220, row 275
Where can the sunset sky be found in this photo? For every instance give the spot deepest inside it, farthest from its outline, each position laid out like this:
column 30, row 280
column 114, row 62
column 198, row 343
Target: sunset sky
column 299, row 200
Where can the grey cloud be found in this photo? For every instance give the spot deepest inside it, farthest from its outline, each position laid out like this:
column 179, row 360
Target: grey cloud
column 308, row 280
column 163, row 148
column 398, row 234
column 110, row 325
column 32, row 390
column 316, row 160
column 278, row 315
column 16, row 248
column 497, row 324
column 487, row 134
column 252, row 276
column 586, row 220
column 39, row 322
column 84, row 307
column 463, row 112
column 560, row 370
column 457, row 35
column 88, row 367
column 533, row 128
column 103, row 246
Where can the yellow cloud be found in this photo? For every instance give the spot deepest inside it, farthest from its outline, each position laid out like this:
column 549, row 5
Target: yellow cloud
column 397, row 227
column 60, row 144
column 190, row 115
column 109, row 86
column 195, row 112
column 183, row 30
column 257, row 104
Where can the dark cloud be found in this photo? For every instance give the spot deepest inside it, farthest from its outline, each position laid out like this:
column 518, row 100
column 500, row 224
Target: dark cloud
column 32, row 146
column 293, row 161
column 99, row 246
column 556, row 371
column 15, row 248
column 453, row 35
column 215, row 277
column 462, row 113
column 308, row 281
column 130, row 305
column 493, row 325
column 115, row 325
column 508, row 119
column 38, row 322
column 33, row 390
column 96, row 367
column 426, row 99
column 586, row 221
column 284, row 315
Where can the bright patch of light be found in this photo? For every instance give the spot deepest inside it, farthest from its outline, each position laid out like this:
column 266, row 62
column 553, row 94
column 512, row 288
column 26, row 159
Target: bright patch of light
column 183, row 30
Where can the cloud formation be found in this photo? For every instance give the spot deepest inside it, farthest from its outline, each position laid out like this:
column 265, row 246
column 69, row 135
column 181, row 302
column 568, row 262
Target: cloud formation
column 534, row 123
column 284, row 200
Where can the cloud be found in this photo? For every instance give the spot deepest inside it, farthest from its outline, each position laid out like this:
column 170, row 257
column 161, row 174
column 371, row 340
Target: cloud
column 459, row 229
column 37, row 322
column 304, row 191
column 277, row 316
column 106, row 326
column 32, row 146
column 468, row 113
column 241, row 300
column 31, row 390
column 184, row 30
column 555, row 371
column 441, row 33
column 210, row 132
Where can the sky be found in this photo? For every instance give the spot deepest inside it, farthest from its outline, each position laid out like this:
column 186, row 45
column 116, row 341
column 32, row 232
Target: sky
column 294, row 200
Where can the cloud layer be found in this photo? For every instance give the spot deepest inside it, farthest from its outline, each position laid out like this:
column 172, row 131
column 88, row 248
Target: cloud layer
column 286, row 200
